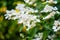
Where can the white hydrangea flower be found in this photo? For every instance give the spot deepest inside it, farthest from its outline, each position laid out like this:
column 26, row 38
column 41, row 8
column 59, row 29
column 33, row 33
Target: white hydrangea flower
column 27, row 18
column 23, row 16
column 56, row 26
column 51, row 1
column 56, row 23
column 51, row 37
column 57, row 12
column 38, row 36
column 27, row 1
column 11, row 14
column 49, row 15
column 30, row 1
column 24, row 9
column 55, row 8
column 48, row 8
column 20, row 7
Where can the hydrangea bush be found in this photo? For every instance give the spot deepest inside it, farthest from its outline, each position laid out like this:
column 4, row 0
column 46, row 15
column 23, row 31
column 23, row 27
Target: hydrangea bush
column 30, row 20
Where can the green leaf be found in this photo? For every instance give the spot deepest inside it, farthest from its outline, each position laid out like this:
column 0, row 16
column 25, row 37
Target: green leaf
column 58, row 1
column 21, row 27
column 56, row 38
column 29, row 38
column 45, row 34
column 32, row 32
column 40, row 6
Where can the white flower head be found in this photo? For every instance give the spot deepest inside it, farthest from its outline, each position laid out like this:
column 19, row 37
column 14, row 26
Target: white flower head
column 23, row 15
column 49, row 15
column 38, row 36
column 30, row 1
column 52, row 1
column 20, row 7
column 56, row 26
column 26, row 19
column 48, row 8
column 25, row 10
column 55, row 8
column 57, row 12
column 11, row 14
column 27, row 1
column 51, row 37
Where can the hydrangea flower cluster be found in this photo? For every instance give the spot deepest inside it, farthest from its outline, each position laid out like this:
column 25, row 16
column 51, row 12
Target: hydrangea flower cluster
column 51, row 1
column 51, row 37
column 51, row 9
column 38, row 36
column 22, row 15
column 49, row 15
column 30, row 1
column 56, row 26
